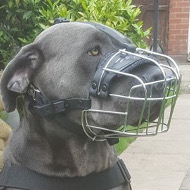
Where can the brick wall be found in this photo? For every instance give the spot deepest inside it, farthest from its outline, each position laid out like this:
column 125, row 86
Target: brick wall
column 178, row 27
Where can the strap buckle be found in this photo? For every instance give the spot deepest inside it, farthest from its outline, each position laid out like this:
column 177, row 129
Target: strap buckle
column 32, row 91
column 44, row 106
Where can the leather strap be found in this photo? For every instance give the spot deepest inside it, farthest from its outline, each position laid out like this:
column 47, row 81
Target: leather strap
column 16, row 176
column 60, row 106
column 54, row 110
column 118, row 61
column 45, row 107
column 114, row 34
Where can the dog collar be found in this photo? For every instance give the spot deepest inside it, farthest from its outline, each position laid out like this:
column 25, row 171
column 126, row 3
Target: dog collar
column 17, row 176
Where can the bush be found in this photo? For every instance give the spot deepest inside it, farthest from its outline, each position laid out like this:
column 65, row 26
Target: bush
column 22, row 20
column 18, row 25
column 118, row 14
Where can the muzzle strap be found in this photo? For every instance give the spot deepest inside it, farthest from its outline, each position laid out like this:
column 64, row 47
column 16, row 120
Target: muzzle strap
column 114, row 34
column 45, row 107
column 117, row 61
column 62, row 106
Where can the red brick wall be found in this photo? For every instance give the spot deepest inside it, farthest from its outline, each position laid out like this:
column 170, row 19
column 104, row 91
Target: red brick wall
column 178, row 27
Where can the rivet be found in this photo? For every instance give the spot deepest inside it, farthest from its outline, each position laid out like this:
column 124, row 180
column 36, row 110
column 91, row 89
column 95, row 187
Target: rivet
column 94, row 86
column 123, row 55
column 104, row 88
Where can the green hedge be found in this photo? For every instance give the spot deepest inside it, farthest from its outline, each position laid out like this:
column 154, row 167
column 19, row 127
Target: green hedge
column 22, row 20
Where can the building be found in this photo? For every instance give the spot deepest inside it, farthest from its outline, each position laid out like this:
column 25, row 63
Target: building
column 173, row 27
column 179, row 28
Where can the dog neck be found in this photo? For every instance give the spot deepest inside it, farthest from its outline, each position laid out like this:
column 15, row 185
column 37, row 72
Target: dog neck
column 47, row 148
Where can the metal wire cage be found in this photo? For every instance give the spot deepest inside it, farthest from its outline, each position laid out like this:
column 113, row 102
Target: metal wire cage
column 171, row 86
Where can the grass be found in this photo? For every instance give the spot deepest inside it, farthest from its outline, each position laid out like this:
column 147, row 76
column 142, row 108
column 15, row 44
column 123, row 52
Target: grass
column 123, row 144
column 3, row 115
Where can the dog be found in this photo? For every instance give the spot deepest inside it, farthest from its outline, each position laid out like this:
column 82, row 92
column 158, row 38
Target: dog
column 61, row 64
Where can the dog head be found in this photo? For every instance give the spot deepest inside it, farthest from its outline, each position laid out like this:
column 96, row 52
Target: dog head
column 64, row 62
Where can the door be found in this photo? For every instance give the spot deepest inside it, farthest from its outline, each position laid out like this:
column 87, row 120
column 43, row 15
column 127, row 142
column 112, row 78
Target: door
column 147, row 16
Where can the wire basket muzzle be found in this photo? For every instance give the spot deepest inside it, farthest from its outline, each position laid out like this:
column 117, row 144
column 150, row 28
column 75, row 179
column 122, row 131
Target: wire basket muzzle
column 143, row 102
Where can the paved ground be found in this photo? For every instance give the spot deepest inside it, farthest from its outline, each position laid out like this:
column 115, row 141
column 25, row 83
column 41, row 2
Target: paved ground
column 163, row 162
column 185, row 86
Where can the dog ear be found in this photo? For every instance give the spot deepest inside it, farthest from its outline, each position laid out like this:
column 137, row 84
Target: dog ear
column 18, row 74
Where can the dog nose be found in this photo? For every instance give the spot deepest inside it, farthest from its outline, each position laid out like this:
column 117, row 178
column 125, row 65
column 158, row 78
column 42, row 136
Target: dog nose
column 159, row 79
column 155, row 78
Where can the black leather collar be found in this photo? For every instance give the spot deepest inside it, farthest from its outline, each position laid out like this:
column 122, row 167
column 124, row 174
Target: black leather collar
column 17, row 176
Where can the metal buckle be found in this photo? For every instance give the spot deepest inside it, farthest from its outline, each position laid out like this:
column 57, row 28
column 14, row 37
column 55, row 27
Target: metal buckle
column 32, row 91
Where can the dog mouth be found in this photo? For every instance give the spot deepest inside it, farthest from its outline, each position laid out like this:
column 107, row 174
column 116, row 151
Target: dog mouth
column 122, row 122
column 115, row 113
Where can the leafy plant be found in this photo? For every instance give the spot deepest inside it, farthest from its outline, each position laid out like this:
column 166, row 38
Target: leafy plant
column 118, row 14
column 3, row 115
column 18, row 23
column 22, row 20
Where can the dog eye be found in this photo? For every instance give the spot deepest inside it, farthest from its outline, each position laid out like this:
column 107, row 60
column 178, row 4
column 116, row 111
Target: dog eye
column 94, row 52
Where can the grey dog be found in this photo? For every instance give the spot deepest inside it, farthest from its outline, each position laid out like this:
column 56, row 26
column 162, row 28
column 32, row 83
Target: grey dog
column 61, row 63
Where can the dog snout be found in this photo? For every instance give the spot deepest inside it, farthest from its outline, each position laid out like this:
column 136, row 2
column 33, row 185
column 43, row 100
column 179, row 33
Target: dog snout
column 154, row 80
